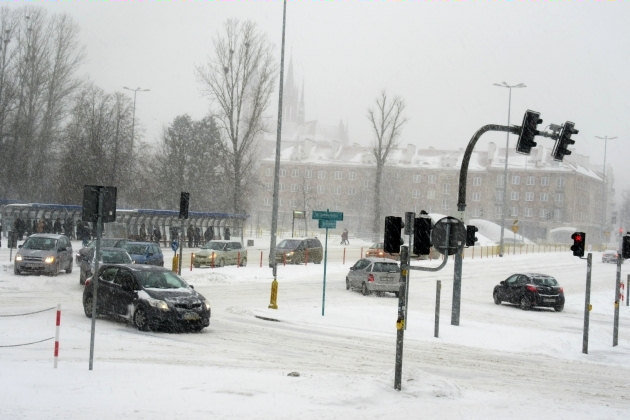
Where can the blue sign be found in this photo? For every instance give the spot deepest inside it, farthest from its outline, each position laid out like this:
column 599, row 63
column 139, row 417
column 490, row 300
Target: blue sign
column 174, row 245
column 324, row 223
column 328, row 215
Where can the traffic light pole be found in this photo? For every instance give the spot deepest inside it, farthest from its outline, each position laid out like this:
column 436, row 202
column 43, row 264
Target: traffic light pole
column 617, row 290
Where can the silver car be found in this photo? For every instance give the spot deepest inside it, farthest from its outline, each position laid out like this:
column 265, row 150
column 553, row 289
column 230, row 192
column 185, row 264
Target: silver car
column 44, row 253
column 374, row 275
column 218, row 253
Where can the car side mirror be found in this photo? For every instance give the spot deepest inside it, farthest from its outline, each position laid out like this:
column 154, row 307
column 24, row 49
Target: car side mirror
column 502, row 283
column 128, row 285
column 191, row 286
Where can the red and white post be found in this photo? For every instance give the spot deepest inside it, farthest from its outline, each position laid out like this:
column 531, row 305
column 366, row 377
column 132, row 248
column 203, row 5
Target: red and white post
column 57, row 334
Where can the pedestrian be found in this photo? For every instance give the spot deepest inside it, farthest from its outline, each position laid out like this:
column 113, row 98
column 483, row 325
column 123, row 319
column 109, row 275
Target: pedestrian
column 143, row 232
column 190, row 233
column 157, row 235
column 208, row 235
column 344, row 237
column 57, row 226
column 40, row 226
column 226, row 233
column 197, row 236
column 19, row 226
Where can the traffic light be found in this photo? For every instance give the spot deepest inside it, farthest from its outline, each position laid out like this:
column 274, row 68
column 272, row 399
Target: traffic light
column 529, row 130
column 579, row 238
column 422, row 236
column 184, row 199
column 560, row 149
column 470, row 235
column 625, row 247
column 392, row 240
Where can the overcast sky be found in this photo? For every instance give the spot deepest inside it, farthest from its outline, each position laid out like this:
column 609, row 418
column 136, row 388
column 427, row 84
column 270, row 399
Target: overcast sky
column 441, row 57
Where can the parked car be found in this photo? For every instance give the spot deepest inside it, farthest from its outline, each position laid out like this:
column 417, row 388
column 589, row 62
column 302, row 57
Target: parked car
column 299, row 251
column 44, row 253
column 218, row 253
column 377, row 250
column 105, row 243
column 374, row 274
column 610, row 256
column 530, row 289
column 149, row 297
column 108, row 256
column 145, row 253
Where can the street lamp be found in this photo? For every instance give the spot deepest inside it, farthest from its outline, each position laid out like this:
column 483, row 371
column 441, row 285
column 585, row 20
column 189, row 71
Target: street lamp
column 133, row 118
column 605, row 138
column 505, row 171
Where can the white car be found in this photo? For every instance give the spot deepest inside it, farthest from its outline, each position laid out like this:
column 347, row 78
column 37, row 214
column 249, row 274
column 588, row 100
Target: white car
column 218, row 253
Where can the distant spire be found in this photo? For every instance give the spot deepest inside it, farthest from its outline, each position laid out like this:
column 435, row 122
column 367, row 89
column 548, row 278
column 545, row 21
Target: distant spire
column 300, row 113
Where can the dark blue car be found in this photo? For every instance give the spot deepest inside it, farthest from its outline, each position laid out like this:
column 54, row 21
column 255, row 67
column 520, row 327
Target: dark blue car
column 145, row 253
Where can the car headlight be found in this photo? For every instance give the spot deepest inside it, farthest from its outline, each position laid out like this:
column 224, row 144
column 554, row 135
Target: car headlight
column 156, row 303
column 49, row 259
column 18, row 257
column 206, row 305
column 290, row 254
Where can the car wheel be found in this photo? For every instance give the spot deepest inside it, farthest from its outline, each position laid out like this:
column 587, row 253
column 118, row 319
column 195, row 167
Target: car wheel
column 496, row 298
column 197, row 265
column 69, row 269
column 56, row 270
column 347, row 284
column 364, row 290
column 16, row 271
column 87, row 305
column 525, row 304
column 140, row 319
column 558, row 308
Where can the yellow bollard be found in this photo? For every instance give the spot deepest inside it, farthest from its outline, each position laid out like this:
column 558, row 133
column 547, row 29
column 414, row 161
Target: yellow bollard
column 175, row 267
column 274, row 295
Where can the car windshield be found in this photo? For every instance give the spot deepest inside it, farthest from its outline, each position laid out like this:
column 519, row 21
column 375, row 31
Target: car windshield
column 544, row 281
column 160, row 280
column 136, row 249
column 43, row 244
column 115, row 257
column 216, row 246
column 289, row 243
column 383, row 267
column 377, row 246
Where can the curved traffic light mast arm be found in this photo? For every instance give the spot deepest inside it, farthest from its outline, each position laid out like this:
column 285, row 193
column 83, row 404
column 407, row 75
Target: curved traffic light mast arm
column 438, row 268
column 463, row 172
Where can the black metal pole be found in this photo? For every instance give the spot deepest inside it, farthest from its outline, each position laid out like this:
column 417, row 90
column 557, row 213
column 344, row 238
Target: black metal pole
column 400, row 322
column 587, row 303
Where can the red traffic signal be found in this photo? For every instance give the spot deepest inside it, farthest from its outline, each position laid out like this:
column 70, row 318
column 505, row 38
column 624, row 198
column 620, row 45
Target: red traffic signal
column 579, row 238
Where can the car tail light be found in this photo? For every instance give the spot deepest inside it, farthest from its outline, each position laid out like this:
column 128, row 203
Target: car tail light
column 371, row 277
column 88, row 281
column 531, row 288
column 560, row 290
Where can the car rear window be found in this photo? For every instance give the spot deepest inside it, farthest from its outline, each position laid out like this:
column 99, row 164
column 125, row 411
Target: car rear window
column 545, row 281
column 383, row 267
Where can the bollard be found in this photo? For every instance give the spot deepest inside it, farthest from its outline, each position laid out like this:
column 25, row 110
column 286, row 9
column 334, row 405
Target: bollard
column 58, row 323
column 175, row 263
column 273, row 304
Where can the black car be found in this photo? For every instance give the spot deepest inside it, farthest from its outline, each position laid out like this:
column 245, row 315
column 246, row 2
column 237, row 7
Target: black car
column 150, row 297
column 530, row 289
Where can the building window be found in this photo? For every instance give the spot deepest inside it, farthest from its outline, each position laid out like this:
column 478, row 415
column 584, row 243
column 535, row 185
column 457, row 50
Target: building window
column 266, row 201
column 476, row 196
column 431, row 179
column 308, row 173
column 283, row 172
column 338, row 175
column 268, row 172
column 431, row 194
column 514, row 212
column 337, row 190
column 557, row 214
column 500, row 180
column 476, row 181
column 514, row 196
column 498, row 211
column 529, row 196
column 499, row 196
column 528, row 212
column 320, row 189
column 531, row 180
column 559, row 198
column 321, row 174
column 352, row 175
column 352, row 191
column 307, row 188
column 415, row 194
column 446, row 188
column 281, row 187
column 516, row 179
column 544, row 196
column 445, row 204
column 560, row 182
column 544, row 181
column 295, row 187
column 295, row 172
column 417, row 178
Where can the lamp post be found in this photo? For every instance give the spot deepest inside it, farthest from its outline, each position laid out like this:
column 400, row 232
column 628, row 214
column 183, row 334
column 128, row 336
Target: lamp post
column 133, row 118
column 605, row 138
column 505, row 171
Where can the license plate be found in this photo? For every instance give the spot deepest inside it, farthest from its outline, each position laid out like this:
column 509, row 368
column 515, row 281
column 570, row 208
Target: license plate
column 191, row 316
column 549, row 300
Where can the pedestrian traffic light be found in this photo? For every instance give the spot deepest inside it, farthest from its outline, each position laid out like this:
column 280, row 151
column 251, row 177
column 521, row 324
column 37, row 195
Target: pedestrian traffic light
column 470, row 235
column 561, row 148
column 579, row 238
column 625, row 247
column 529, row 130
column 422, row 236
column 184, row 199
column 392, row 240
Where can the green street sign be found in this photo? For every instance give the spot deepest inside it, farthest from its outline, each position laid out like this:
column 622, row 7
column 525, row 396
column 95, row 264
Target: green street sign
column 328, row 224
column 327, row 215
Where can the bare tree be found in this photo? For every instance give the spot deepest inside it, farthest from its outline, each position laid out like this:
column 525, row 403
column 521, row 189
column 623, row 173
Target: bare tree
column 239, row 81
column 387, row 121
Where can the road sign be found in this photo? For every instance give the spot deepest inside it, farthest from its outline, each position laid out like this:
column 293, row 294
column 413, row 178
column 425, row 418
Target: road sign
column 174, row 245
column 328, row 224
column 456, row 238
column 327, row 215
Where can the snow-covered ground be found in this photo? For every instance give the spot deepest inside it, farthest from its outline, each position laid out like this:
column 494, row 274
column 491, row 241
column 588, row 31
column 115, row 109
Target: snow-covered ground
column 500, row 362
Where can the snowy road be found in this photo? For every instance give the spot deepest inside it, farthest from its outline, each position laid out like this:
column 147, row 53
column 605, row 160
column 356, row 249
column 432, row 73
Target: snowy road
column 499, row 362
